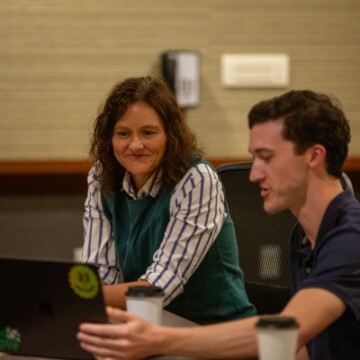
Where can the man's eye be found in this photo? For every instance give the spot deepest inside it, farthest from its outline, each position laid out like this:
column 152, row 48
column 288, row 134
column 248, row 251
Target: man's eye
column 266, row 158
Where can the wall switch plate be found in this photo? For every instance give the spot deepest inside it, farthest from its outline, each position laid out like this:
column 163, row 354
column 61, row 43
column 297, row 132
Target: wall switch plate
column 255, row 70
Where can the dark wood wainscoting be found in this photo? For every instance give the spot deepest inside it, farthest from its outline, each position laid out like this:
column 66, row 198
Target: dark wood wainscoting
column 66, row 177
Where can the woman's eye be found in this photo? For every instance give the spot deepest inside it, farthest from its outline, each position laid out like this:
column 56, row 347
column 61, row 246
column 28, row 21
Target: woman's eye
column 148, row 132
column 122, row 134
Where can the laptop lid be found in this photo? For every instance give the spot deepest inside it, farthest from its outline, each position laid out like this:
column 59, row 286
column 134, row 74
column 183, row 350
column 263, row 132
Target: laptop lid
column 42, row 304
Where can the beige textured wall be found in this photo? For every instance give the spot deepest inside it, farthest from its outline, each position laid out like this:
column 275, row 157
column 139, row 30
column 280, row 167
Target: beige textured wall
column 59, row 59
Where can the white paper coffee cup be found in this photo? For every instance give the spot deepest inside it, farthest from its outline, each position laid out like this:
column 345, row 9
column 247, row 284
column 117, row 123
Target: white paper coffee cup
column 277, row 337
column 146, row 302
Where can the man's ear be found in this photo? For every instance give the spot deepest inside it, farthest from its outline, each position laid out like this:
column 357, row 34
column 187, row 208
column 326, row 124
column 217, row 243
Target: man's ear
column 317, row 155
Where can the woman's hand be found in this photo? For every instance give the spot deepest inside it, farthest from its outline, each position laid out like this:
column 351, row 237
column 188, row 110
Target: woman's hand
column 128, row 337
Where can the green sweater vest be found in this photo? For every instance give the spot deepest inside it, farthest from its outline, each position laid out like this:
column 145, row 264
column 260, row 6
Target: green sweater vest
column 215, row 292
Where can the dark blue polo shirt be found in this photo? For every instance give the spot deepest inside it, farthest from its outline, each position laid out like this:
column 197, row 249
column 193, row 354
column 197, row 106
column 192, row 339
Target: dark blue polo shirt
column 333, row 265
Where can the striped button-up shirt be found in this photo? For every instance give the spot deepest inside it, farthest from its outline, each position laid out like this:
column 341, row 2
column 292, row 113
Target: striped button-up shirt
column 197, row 213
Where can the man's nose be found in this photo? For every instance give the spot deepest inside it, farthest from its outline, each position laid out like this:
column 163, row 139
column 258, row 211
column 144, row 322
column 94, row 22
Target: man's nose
column 255, row 173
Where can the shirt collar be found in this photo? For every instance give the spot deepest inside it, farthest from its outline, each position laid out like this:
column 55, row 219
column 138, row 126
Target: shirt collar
column 328, row 222
column 150, row 188
column 332, row 212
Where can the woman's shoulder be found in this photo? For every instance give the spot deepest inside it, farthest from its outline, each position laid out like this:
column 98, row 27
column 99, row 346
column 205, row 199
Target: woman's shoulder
column 200, row 171
column 199, row 166
column 94, row 173
column 95, row 169
column 202, row 164
column 201, row 179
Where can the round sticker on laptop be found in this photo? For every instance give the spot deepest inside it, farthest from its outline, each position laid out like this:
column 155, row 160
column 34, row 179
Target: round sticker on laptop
column 84, row 281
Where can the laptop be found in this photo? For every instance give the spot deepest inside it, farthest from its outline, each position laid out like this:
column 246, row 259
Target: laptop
column 42, row 304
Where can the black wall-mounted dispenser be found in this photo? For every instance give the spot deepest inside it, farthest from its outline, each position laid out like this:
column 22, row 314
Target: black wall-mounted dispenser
column 181, row 69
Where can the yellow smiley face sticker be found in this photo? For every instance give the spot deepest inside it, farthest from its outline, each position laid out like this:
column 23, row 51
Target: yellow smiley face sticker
column 84, row 281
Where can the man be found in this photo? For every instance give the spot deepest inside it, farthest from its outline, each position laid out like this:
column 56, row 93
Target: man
column 299, row 142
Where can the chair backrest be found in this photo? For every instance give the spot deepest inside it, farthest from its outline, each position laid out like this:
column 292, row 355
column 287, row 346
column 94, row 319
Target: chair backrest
column 262, row 240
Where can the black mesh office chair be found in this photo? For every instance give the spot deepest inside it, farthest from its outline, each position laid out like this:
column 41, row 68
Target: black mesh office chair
column 263, row 239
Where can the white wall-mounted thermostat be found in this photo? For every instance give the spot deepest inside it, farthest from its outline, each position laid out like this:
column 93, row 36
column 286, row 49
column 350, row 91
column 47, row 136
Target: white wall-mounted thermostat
column 255, row 70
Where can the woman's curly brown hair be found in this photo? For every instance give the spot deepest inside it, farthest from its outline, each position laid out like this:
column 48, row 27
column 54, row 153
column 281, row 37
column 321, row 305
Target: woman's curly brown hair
column 181, row 145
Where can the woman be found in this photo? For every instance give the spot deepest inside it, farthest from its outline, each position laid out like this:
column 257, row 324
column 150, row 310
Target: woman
column 155, row 212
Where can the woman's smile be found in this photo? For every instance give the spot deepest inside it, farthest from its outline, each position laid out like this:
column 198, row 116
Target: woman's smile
column 139, row 142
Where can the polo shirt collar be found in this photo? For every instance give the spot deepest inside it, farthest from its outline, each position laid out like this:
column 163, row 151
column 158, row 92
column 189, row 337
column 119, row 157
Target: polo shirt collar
column 331, row 214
